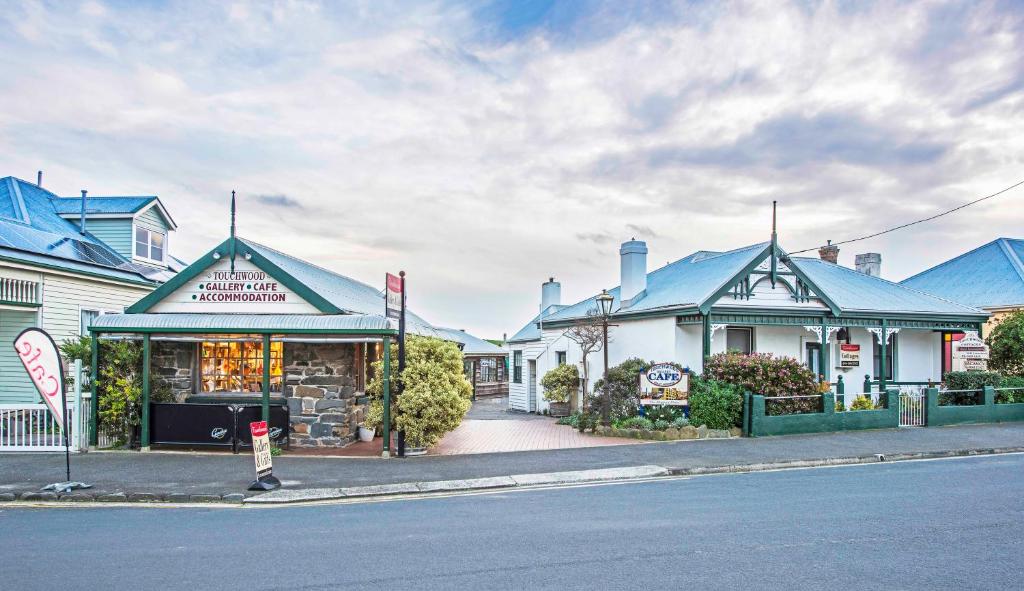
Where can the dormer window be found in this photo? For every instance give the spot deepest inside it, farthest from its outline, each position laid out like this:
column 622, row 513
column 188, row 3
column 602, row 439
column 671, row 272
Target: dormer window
column 149, row 244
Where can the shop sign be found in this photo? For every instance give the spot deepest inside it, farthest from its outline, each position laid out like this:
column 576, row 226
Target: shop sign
column 261, row 448
column 849, row 355
column 246, row 289
column 38, row 353
column 393, row 307
column 970, row 353
column 664, row 384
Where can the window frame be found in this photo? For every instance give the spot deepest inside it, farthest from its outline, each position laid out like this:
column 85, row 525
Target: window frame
column 517, row 367
column 82, row 331
column 750, row 338
column 148, row 256
column 243, row 359
column 561, row 358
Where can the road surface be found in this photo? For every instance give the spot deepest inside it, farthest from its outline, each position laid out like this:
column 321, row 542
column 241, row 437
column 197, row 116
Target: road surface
column 945, row 524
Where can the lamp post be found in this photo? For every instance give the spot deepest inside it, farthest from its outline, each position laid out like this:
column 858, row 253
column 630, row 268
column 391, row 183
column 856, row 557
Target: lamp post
column 604, row 306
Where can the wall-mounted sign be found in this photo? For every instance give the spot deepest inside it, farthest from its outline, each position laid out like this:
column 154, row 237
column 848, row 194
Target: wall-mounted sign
column 849, row 355
column 247, row 290
column 393, row 305
column 970, row 353
column 664, row 384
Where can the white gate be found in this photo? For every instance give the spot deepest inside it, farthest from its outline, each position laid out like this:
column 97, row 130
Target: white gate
column 31, row 427
column 912, row 408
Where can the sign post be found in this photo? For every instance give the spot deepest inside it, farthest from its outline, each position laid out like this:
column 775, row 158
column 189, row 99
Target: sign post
column 41, row 359
column 265, row 479
column 395, row 308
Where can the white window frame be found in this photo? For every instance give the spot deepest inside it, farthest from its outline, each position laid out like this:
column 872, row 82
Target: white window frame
column 99, row 312
column 149, row 244
column 748, row 329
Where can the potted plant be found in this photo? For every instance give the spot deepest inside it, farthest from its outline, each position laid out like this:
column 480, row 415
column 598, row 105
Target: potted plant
column 559, row 385
column 365, row 433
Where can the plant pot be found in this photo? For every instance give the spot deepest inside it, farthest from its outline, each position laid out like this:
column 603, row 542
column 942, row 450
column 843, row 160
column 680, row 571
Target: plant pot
column 560, row 409
column 365, row 434
column 415, row 451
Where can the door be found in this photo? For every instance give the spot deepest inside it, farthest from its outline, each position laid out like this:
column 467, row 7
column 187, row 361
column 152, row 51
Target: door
column 531, row 388
column 813, row 356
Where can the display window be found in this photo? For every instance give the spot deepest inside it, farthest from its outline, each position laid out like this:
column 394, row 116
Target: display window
column 237, row 366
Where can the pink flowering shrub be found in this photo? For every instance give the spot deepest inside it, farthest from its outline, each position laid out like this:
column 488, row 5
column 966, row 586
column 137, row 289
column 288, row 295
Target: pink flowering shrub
column 760, row 373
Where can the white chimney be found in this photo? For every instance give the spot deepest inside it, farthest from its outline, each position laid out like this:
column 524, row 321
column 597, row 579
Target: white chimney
column 550, row 294
column 869, row 263
column 633, row 270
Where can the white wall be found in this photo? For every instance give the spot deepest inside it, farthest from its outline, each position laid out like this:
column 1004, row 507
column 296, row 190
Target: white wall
column 919, row 356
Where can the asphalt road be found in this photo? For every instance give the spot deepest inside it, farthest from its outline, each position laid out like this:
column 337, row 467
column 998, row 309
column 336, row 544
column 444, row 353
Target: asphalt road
column 945, row 524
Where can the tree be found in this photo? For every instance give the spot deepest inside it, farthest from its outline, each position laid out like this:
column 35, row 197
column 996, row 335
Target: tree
column 588, row 333
column 1006, row 345
column 623, row 388
column 435, row 392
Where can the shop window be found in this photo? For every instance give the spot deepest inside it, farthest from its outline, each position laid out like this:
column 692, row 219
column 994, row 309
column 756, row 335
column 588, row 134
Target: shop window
column 237, row 366
column 488, row 370
column 740, row 340
column 517, row 367
column 559, row 357
column 149, row 244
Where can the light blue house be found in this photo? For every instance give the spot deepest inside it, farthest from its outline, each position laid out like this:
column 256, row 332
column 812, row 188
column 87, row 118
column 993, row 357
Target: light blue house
column 58, row 275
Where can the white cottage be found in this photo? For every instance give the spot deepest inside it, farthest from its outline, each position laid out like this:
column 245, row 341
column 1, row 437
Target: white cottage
column 840, row 322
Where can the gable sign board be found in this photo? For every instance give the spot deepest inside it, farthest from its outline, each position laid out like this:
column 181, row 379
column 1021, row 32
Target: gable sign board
column 38, row 353
column 664, row 384
column 247, row 290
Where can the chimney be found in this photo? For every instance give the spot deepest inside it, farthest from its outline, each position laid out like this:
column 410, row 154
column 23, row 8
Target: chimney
column 81, row 223
column 39, row 178
column 829, row 253
column 550, row 294
column 633, row 270
column 869, row 263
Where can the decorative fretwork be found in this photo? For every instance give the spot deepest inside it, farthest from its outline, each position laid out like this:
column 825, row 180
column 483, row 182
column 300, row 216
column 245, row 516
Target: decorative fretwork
column 716, row 327
column 816, row 330
column 888, row 333
column 19, row 292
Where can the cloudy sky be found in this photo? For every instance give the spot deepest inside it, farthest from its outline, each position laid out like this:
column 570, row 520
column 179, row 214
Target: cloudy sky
column 484, row 146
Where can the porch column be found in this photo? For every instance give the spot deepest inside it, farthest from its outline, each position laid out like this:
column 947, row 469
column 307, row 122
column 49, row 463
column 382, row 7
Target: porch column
column 146, row 355
column 266, row 377
column 94, row 401
column 823, row 355
column 386, row 390
column 883, row 344
column 705, row 346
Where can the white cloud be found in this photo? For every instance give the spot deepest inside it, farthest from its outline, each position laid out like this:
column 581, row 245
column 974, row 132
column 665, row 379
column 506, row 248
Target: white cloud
column 412, row 140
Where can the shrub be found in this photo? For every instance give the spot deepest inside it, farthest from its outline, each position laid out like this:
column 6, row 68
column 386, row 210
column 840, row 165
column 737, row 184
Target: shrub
column 635, row 423
column 623, row 388
column 1006, row 345
column 572, row 420
column 560, row 383
column 714, row 403
column 761, row 373
column 435, row 393
column 862, row 403
column 840, row 407
column 967, row 380
column 1011, row 396
column 681, row 422
column 664, row 413
column 661, row 425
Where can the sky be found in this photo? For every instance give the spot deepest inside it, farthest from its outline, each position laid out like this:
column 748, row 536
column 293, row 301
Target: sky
column 483, row 147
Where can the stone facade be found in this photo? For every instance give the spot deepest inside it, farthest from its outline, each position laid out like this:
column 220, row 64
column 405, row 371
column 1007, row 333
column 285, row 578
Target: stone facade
column 174, row 363
column 320, row 386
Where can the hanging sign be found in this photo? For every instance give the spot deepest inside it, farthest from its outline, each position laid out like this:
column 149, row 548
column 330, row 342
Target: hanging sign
column 970, row 353
column 849, row 355
column 664, row 384
column 38, row 353
column 393, row 306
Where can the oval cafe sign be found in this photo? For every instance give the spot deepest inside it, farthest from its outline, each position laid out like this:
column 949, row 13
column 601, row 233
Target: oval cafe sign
column 664, row 384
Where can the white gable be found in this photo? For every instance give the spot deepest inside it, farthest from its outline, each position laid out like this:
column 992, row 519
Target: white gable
column 249, row 290
column 763, row 295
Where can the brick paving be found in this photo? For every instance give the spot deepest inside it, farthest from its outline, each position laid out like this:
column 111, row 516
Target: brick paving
column 489, row 436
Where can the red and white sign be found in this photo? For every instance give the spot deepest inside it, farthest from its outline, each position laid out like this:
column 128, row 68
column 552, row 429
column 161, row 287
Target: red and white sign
column 38, row 353
column 849, row 355
column 393, row 307
column 261, row 448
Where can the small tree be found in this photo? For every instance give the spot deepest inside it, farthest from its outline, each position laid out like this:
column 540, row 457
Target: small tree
column 623, row 387
column 560, row 383
column 1006, row 345
column 435, row 392
column 588, row 333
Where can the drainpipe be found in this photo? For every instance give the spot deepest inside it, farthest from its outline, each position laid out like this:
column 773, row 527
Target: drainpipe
column 81, row 223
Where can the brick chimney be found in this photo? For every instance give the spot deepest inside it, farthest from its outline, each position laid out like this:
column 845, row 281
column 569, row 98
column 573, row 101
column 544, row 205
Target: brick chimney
column 829, row 253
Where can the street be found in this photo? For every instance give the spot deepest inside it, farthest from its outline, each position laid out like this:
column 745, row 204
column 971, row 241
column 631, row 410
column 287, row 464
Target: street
column 941, row 524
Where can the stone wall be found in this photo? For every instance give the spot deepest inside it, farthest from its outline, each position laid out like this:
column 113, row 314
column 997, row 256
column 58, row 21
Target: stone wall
column 320, row 385
column 174, row 363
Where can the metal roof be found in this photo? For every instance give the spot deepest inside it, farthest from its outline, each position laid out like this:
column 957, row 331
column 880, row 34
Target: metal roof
column 531, row 332
column 240, row 323
column 471, row 345
column 990, row 276
column 102, row 204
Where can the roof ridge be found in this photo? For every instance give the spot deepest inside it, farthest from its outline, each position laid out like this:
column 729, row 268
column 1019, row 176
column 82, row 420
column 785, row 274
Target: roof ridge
column 1015, row 261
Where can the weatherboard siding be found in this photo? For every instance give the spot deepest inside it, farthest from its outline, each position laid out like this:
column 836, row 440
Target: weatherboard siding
column 15, row 386
column 152, row 220
column 116, row 233
column 64, row 297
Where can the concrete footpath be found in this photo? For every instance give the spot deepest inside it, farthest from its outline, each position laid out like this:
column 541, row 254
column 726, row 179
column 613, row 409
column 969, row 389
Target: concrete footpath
column 205, row 477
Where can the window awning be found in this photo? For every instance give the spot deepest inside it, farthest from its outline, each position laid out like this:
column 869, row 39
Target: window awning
column 243, row 323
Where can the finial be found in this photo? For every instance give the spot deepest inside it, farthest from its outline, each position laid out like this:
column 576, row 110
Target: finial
column 232, row 247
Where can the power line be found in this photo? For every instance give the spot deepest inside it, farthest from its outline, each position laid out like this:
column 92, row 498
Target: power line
column 921, row 221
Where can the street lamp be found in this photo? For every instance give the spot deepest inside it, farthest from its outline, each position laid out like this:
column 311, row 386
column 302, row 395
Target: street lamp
column 604, row 306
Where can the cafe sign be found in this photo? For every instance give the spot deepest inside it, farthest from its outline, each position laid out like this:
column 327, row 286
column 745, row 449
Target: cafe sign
column 664, row 384
column 970, row 353
column 245, row 290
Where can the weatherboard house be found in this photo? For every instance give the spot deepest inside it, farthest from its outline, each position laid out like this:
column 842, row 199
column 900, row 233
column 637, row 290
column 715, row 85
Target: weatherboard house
column 248, row 333
column 841, row 322
column 67, row 260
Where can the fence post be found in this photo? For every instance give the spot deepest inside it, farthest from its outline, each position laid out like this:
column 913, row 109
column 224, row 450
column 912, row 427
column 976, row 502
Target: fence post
column 931, row 397
column 840, row 386
column 867, row 383
column 76, row 405
column 828, row 403
column 756, row 414
column 746, row 414
column 989, row 393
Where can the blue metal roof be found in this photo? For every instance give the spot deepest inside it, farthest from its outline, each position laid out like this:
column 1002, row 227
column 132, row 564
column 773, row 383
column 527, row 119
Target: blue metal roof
column 990, row 276
column 531, row 332
column 102, row 204
column 31, row 231
column 471, row 345
column 344, row 292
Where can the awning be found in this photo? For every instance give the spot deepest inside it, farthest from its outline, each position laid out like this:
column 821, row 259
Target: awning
column 243, row 323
